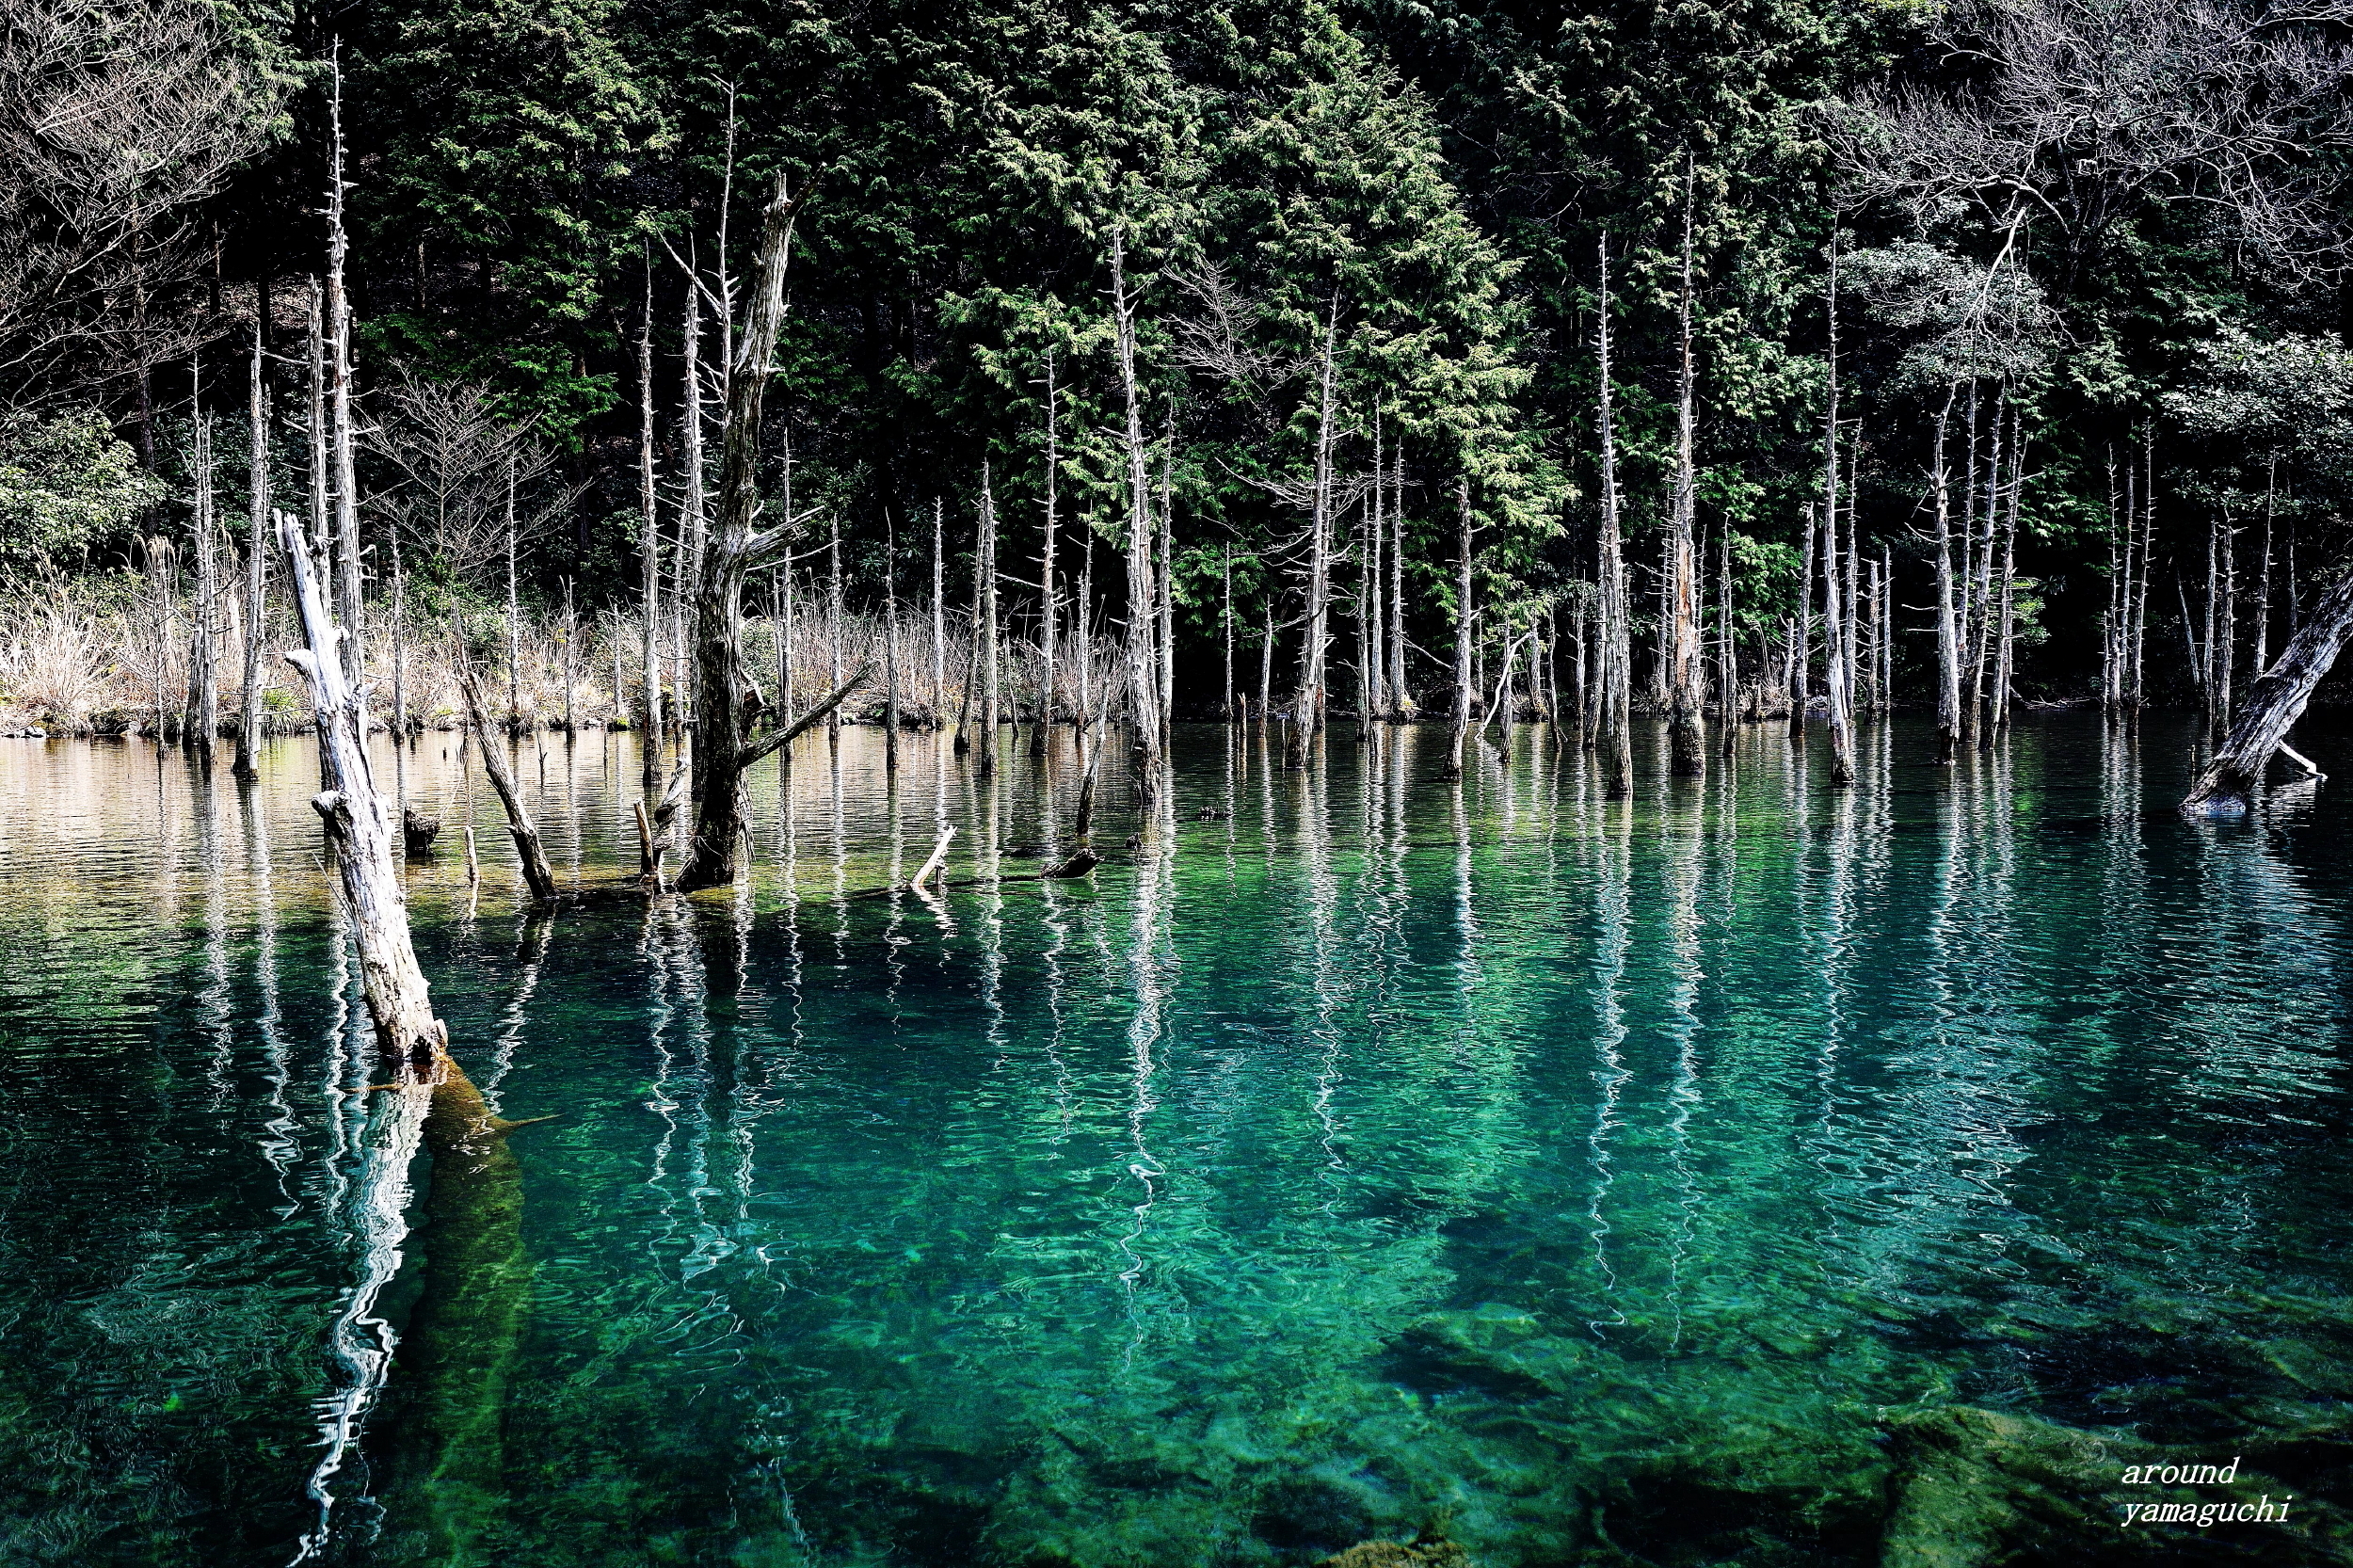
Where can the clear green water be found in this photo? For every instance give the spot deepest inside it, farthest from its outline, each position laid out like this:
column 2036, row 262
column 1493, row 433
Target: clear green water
column 1750, row 1174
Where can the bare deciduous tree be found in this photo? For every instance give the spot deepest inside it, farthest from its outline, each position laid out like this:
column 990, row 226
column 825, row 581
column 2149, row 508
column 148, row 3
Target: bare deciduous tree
column 116, row 121
column 455, row 454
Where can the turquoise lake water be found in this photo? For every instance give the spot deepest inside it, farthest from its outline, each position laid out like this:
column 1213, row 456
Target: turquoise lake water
column 1748, row 1173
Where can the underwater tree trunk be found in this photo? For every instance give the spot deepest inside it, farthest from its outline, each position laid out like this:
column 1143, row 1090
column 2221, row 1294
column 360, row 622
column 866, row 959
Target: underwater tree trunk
column 2273, row 705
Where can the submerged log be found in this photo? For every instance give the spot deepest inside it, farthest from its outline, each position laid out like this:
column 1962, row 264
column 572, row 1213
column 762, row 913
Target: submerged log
column 2273, row 705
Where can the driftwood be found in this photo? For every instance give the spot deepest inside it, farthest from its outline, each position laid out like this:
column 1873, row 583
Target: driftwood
column 2274, row 703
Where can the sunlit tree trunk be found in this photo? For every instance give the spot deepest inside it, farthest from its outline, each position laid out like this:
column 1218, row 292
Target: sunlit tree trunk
column 1307, row 704
column 1466, row 633
column 1050, row 609
column 1948, row 633
column 347, row 601
column 649, row 547
column 256, row 556
column 985, row 615
column 1837, row 669
column 1617, row 634
column 203, row 675
column 1686, row 741
column 1143, row 677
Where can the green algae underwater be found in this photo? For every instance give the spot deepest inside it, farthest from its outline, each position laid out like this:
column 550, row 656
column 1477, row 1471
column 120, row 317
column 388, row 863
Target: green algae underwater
column 1748, row 1173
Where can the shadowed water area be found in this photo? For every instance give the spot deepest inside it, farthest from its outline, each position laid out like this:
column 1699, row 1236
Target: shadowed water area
column 1750, row 1174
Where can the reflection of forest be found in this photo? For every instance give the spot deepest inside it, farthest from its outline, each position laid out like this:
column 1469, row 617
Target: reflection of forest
column 1739, row 1169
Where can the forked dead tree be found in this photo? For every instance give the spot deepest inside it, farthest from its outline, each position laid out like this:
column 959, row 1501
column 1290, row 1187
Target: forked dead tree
column 727, row 703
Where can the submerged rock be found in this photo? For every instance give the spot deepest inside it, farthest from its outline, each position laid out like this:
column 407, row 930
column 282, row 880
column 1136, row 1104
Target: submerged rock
column 1429, row 1549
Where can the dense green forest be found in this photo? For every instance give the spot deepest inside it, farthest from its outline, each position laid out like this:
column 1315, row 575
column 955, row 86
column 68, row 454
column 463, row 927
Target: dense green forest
column 1278, row 331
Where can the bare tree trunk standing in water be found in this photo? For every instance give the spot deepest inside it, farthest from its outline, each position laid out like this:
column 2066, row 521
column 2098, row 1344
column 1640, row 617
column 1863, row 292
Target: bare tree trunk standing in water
column 1617, row 638
column 725, row 704
column 347, row 604
column 534, row 860
column 1466, row 630
column 359, row 829
column 939, row 609
column 1307, row 705
column 514, row 616
column 1166, row 640
column 1143, row 677
column 1400, row 702
column 1686, row 740
column 1948, row 633
column 693, row 511
column 984, row 621
column 1050, row 612
column 890, row 643
column 649, row 547
column 1837, row 657
column 203, row 675
column 256, row 547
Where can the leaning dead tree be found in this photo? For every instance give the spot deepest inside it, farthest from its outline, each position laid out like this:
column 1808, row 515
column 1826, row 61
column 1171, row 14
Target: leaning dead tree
column 519, row 827
column 2273, row 705
column 727, row 703
column 359, row 829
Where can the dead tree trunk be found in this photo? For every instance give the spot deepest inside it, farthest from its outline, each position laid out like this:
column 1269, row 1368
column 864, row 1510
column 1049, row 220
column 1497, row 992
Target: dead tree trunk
column 1837, row 668
column 1686, row 741
column 648, row 550
column 256, row 557
column 1466, row 630
column 985, row 617
column 536, row 876
column 1948, row 633
column 1617, row 633
column 1049, row 611
column 2273, row 705
column 359, row 829
column 347, row 603
column 203, row 678
column 890, row 644
column 1401, row 700
column 725, row 702
column 1307, row 703
column 1143, row 677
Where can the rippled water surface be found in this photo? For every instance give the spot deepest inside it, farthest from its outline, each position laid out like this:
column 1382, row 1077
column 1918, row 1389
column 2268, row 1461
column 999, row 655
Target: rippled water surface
column 1752, row 1173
